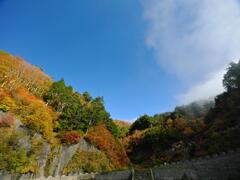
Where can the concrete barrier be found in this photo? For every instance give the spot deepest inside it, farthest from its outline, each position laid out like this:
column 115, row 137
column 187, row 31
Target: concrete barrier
column 224, row 166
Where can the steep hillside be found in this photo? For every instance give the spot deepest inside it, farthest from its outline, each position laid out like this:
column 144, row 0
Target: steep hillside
column 48, row 127
column 15, row 73
column 199, row 129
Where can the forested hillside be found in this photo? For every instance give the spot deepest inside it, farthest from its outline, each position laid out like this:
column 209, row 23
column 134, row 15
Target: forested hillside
column 194, row 130
column 36, row 110
column 47, row 127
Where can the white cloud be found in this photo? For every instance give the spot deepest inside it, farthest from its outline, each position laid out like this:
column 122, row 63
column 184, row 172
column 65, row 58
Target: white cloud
column 192, row 39
column 203, row 90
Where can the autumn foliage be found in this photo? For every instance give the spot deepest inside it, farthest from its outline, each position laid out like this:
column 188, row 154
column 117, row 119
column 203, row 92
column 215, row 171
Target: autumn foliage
column 21, row 87
column 57, row 114
column 32, row 111
column 46, row 107
column 69, row 138
column 104, row 140
column 6, row 120
column 88, row 162
column 16, row 73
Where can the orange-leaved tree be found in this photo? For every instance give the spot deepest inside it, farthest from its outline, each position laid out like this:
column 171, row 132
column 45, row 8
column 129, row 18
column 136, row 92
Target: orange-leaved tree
column 32, row 111
column 101, row 137
column 15, row 73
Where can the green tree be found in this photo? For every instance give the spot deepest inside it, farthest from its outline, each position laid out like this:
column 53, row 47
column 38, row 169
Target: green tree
column 87, row 97
column 59, row 95
column 227, row 105
column 161, row 138
column 73, row 113
column 111, row 126
column 232, row 77
column 141, row 123
column 98, row 111
column 74, row 116
column 98, row 114
column 78, row 112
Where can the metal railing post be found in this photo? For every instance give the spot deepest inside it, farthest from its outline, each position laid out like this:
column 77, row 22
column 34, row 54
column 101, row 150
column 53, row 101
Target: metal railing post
column 133, row 174
column 152, row 173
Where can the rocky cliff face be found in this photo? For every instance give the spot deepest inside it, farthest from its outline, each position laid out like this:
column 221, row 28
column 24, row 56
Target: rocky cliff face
column 47, row 159
column 64, row 155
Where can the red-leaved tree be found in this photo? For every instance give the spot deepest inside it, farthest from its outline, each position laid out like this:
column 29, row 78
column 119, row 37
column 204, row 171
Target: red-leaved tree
column 6, row 120
column 72, row 137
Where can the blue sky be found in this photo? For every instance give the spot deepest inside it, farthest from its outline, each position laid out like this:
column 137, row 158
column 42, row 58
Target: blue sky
column 126, row 51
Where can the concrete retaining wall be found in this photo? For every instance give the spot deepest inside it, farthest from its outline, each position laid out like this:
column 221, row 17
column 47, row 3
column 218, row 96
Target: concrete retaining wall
column 118, row 175
column 216, row 167
column 223, row 167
